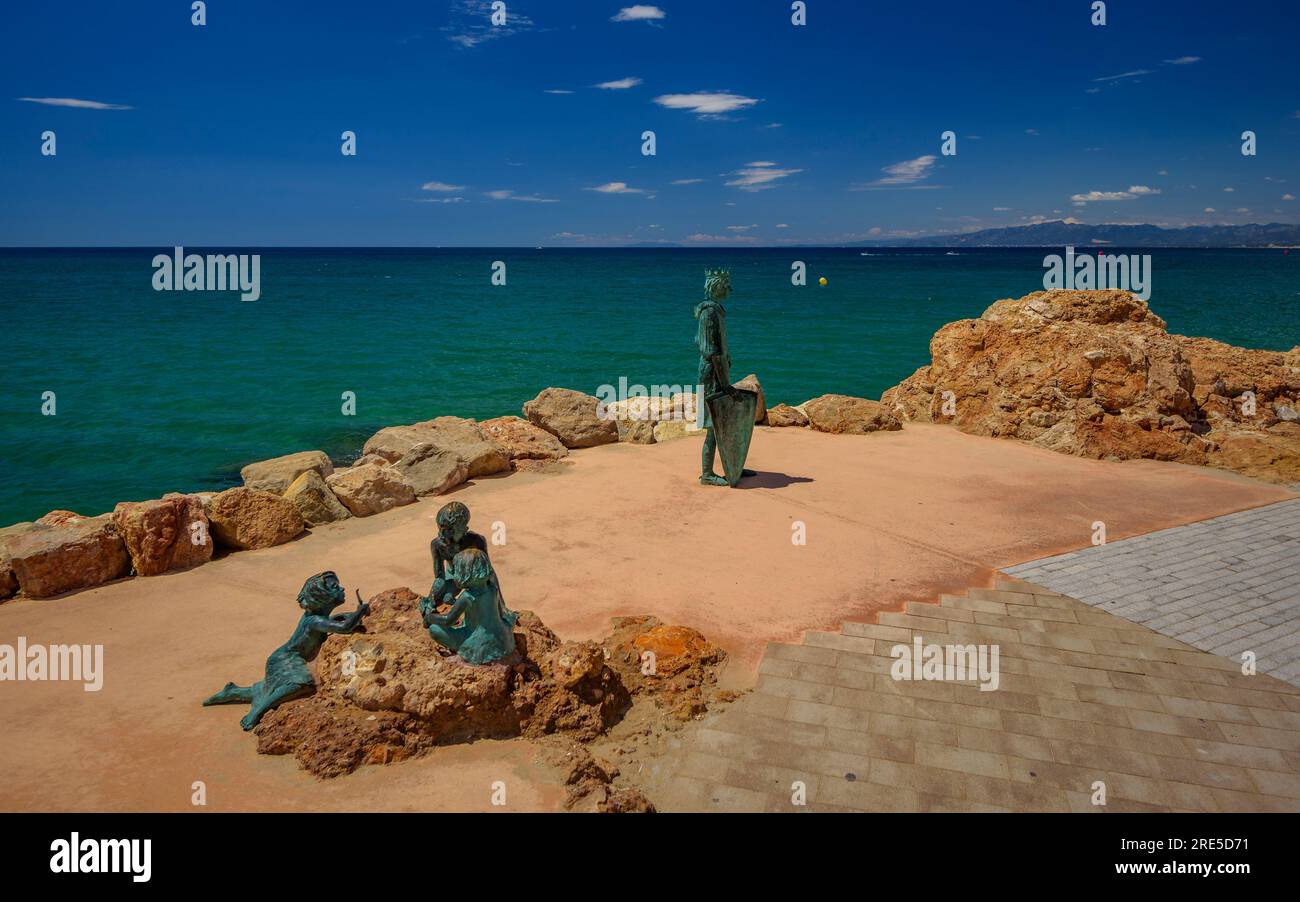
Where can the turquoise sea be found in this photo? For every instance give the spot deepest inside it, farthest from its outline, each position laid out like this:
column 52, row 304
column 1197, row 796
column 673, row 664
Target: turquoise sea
column 175, row 391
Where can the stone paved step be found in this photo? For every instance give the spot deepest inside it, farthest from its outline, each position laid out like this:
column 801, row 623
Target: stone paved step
column 1083, row 696
column 1228, row 585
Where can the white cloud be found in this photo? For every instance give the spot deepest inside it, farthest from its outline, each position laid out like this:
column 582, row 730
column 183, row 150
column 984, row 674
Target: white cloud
column 621, row 84
column 783, row 225
column 773, row 125
column 1184, row 61
column 507, row 194
column 741, row 228
column 706, row 103
column 440, row 200
column 1134, row 74
column 701, row 238
column 639, row 13
column 441, row 187
column 556, row 91
column 1031, row 131
column 905, row 174
column 759, row 176
column 75, row 103
column 1288, row 197
column 1001, row 209
column 1211, row 210
column 687, row 181
column 471, row 23
column 1229, row 190
column 1133, row 192
column 616, row 188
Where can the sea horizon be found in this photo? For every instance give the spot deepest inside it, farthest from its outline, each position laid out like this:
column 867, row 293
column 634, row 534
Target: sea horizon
column 197, row 384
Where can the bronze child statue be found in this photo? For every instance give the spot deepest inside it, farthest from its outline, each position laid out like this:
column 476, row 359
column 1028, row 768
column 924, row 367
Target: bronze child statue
column 454, row 536
column 729, row 410
column 483, row 636
column 287, row 676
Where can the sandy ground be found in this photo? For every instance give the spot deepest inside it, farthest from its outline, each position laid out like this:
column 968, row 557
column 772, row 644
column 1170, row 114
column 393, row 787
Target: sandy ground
column 624, row 529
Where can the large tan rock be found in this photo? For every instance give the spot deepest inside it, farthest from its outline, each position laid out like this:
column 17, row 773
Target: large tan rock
column 171, row 533
column 785, row 415
column 61, row 518
column 431, row 470
column 50, row 560
column 1096, row 374
column 843, row 414
column 636, row 432
column 1274, row 457
column 572, row 417
column 668, row 430
column 750, row 383
column 482, row 456
column 244, row 518
column 276, row 474
column 314, row 500
column 371, row 489
column 521, row 440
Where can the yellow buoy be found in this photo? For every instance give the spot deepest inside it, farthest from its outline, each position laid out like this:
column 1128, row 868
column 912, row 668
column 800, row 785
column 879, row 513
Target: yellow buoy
column 822, row 280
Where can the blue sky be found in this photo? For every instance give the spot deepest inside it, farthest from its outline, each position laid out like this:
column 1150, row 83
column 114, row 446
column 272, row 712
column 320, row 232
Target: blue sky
column 530, row 134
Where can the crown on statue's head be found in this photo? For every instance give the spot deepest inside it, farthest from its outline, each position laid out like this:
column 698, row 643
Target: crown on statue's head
column 715, row 279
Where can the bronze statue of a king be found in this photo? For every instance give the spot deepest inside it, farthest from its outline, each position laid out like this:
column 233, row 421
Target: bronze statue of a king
column 729, row 411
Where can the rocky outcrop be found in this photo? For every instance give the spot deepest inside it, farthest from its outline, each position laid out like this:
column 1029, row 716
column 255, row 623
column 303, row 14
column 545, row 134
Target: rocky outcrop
column 388, row 694
column 314, row 500
column 846, row 415
column 675, row 666
column 370, row 489
column 785, row 415
column 457, row 434
column 1097, row 374
column 1249, row 401
column 278, row 473
column 171, row 533
column 521, row 440
column 50, row 560
column 577, row 420
column 242, row 518
column 431, row 470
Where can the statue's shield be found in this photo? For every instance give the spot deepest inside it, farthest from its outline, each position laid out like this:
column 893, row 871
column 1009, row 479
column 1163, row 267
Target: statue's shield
column 732, row 411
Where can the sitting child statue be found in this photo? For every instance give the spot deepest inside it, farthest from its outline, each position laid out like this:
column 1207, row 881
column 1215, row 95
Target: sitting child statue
column 287, row 676
column 484, row 635
column 454, row 536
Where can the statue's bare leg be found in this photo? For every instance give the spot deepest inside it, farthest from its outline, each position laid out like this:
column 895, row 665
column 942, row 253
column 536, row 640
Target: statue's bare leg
column 230, row 695
column 264, row 703
column 707, row 476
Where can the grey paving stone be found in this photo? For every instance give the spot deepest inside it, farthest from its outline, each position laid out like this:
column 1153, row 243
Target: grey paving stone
column 1222, row 585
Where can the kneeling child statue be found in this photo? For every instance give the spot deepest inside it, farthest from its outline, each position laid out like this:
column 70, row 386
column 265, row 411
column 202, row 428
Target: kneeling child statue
column 287, row 676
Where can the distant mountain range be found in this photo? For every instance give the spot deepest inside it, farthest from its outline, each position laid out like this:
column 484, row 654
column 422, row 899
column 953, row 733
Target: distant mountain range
column 1059, row 233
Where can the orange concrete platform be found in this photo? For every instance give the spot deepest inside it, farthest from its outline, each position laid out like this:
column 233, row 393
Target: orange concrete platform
column 889, row 518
